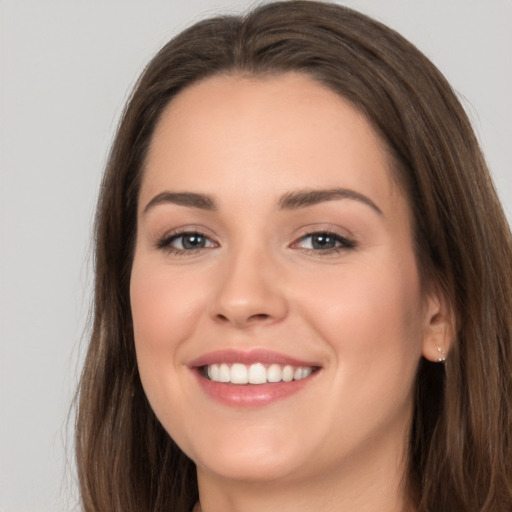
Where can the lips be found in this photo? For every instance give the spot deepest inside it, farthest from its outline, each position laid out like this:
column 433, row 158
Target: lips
column 249, row 379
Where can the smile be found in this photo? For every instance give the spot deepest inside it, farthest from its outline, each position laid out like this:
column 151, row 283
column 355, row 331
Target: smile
column 252, row 378
column 257, row 373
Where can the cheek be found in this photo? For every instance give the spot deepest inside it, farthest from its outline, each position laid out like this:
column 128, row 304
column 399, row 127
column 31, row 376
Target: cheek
column 163, row 306
column 164, row 310
column 372, row 321
column 371, row 316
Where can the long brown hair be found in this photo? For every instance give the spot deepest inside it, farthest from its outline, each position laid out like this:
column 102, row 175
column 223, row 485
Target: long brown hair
column 460, row 456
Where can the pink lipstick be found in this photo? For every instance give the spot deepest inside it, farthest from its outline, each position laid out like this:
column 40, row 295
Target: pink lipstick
column 251, row 379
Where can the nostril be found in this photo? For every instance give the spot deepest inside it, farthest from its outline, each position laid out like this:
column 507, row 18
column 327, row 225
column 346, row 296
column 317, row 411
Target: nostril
column 259, row 316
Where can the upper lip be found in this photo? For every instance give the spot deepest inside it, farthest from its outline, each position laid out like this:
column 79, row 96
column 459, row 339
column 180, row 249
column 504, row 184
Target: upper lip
column 264, row 356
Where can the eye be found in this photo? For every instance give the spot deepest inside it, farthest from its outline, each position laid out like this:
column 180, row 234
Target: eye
column 180, row 243
column 324, row 242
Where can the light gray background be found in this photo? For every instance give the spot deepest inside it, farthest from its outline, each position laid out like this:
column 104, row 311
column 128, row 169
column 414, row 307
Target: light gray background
column 66, row 68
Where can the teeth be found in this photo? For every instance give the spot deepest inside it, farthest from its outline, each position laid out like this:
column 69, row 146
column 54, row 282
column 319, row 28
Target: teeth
column 239, row 374
column 302, row 373
column 213, row 372
column 274, row 373
column 288, row 373
column 224, row 373
column 256, row 373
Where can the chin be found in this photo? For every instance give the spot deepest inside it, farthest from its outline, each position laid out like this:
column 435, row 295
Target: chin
column 250, row 457
column 244, row 468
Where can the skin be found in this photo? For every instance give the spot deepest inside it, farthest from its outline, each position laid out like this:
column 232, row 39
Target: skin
column 359, row 312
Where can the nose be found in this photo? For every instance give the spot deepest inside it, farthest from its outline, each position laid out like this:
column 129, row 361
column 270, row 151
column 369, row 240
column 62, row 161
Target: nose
column 249, row 291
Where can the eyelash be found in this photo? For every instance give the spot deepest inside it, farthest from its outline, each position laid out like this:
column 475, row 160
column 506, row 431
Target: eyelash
column 343, row 243
column 165, row 243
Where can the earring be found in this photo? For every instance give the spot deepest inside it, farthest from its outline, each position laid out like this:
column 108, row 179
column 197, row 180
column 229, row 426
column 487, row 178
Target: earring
column 442, row 357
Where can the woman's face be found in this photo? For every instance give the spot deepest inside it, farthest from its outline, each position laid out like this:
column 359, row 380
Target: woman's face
column 273, row 244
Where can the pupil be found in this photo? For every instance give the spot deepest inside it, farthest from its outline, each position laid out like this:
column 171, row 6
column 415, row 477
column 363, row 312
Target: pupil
column 323, row 242
column 193, row 241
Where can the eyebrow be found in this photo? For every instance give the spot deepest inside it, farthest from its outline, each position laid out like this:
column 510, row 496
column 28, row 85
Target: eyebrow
column 290, row 201
column 190, row 199
column 304, row 198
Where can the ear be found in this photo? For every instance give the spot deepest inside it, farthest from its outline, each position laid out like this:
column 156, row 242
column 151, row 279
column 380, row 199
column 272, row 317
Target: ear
column 439, row 328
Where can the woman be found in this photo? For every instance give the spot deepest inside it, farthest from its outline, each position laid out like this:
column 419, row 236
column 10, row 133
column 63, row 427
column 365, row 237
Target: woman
column 303, row 281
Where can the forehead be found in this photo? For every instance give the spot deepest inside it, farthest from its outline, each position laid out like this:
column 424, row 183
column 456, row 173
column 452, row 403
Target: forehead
column 233, row 133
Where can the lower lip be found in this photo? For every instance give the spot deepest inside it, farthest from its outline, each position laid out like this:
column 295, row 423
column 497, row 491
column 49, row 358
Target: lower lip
column 250, row 395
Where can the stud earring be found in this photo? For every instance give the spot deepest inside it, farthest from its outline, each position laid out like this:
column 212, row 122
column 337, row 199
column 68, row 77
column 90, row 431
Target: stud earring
column 442, row 357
